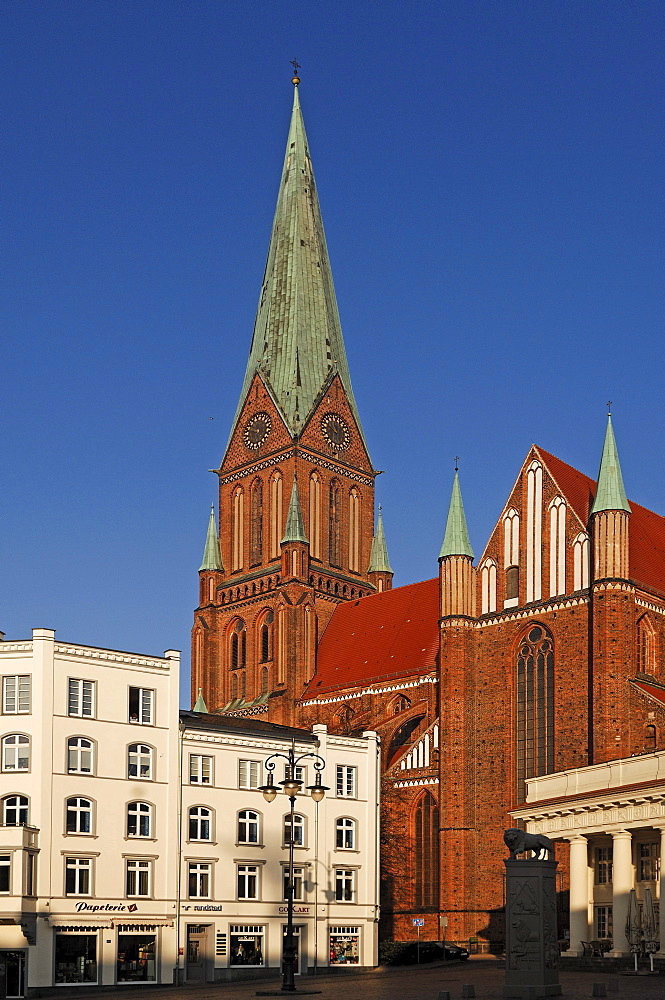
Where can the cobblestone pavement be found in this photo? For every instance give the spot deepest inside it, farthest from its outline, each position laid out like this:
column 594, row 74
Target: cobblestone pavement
column 409, row 983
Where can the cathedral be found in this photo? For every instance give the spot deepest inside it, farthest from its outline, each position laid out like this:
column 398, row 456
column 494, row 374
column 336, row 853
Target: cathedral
column 542, row 656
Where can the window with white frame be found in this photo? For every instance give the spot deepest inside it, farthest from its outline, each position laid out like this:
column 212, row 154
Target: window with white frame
column 16, row 752
column 199, row 879
column 603, row 922
column 248, row 881
column 79, row 815
column 15, row 810
column 345, row 834
column 141, row 705
column 581, row 561
column 603, row 865
column 200, row 823
column 78, row 876
column 648, row 860
column 298, row 830
column 139, row 761
column 345, row 885
column 249, row 773
column 139, row 819
column 80, row 755
column 200, row 769
column 298, row 883
column 557, row 547
column 248, row 827
column 81, row 698
column 139, row 877
column 5, row 873
column 16, row 694
column 30, row 873
column 299, row 773
column 345, row 781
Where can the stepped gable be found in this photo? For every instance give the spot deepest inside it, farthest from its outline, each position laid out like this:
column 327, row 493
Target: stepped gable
column 377, row 638
column 647, row 529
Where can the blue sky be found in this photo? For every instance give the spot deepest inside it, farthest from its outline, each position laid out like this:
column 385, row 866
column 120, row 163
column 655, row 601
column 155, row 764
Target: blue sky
column 491, row 181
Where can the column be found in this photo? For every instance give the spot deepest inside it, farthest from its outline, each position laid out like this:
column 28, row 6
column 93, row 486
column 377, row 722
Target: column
column 661, row 950
column 579, row 896
column 622, row 883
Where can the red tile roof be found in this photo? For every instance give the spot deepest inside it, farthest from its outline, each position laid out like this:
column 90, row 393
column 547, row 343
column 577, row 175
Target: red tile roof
column 384, row 636
column 657, row 693
column 647, row 529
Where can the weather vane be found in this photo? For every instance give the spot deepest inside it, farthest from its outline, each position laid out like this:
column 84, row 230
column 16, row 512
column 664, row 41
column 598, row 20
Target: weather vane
column 608, row 404
column 296, row 66
column 456, row 463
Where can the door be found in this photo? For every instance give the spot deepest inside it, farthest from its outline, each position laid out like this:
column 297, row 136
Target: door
column 12, row 974
column 196, row 953
column 299, row 958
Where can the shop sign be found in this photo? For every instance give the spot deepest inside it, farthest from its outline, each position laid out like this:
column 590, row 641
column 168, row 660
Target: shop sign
column 209, row 906
column 296, row 909
column 106, row 907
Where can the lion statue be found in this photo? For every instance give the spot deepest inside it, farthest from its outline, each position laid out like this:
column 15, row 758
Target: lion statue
column 519, row 841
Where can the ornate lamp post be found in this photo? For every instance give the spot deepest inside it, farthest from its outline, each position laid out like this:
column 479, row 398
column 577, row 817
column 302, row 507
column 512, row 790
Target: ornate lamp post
column 292, row 786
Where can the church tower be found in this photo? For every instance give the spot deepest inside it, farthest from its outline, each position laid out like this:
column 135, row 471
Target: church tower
column 296, row 484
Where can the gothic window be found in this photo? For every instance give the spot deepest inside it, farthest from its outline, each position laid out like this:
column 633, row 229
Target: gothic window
column 535, row 706
column 238, row 642
column 581, row 561
column 513, row 584
column 333, row 525
column 276, row 514
column 511, row 556
column 557, row 547
column 534, row 531
column 399, row 704
column 650, row 738
column 234, row 687
column 645, row 646
column 265, row 681
column 257, row 523
column 265, row 637
column 488, row 586
column 354, row 531
column 427, row 852
column 314, row 532
column 238, row 554
column 243, row 684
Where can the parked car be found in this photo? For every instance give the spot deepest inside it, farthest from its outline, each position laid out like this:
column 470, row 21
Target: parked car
column 453, row 951
column 428, row 951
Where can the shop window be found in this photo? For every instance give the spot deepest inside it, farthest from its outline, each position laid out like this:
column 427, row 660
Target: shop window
column 200, row 823
column 16, row 694
column 603, row 865
column 80, row 755
column 138, row 878
column 139, row 819
column 345, row 784
column 246, row 944
column 344, row 945
column 16, row 752
column 139, row 761
column 141, row 705
column 298, row 883
column 603, row 922
column 648, row 861
column 198, row 876
column 5, row 872
column 426, row 854
column 75, row 958
column 345, row 834
column 78, row 876
column 200, row 769
column 79, row 816
column 248, row 881
column 345, row 885
column 249, row 773
column 298, row 830
column 136, row 957
column 81, row 698
column 248, row 827
column 15, row 810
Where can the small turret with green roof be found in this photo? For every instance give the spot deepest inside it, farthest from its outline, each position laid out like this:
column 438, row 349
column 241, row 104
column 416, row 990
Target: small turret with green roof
column 212, row 556
column 610, row 493
column 456, row 538
column 379, row 570
column 295, row 526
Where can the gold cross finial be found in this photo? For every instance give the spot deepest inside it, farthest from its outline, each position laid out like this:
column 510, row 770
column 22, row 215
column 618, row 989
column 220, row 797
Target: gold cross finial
column 456, row 463
column 296, row 66
column 608, row 404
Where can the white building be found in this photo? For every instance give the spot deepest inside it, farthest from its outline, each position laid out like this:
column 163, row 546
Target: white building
column 135, row 843
column 613, row 815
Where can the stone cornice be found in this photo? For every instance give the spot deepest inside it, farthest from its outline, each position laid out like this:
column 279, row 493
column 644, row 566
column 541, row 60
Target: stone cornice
column 531, row 611
column 416, row 782
column 319, row 461
column 393, row 686
column 90, row 653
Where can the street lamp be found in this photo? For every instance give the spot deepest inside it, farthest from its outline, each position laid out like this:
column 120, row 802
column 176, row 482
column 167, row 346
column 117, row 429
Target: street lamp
column 291, row 785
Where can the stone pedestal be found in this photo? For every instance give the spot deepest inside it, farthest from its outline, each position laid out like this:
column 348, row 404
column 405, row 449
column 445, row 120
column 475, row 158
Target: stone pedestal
column 532, row 951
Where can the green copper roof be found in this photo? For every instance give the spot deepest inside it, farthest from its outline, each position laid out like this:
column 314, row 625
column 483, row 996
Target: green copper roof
column 295, row 527
column 456, row 538
column 200, row 705
column 610, row 494
column 297, row 339
column 212, row 557
column 378, row 559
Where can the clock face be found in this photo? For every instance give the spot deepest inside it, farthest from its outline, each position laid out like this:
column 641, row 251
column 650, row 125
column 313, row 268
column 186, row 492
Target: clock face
column 336, row 431
column 257, row 430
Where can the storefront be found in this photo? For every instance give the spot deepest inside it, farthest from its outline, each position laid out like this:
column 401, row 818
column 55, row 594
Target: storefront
column 247, row 944
column 137, row 951
column 12, row 974
column 76, row 956
column 344, row 945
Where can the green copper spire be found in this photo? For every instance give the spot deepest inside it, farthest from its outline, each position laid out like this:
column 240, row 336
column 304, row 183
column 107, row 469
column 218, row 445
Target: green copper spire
column 610, row 494
column 456, row 538
column 295, row 526
column 200, row 705
column 378, row 559
column 297, row 341
column 212, row 557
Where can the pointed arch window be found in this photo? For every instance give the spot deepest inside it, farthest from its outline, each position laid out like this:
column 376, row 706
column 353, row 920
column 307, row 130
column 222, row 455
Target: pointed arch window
column 314, row 532
column 581, row 561
column 265, row 681
column 276, row 514
column 646, row 640
column 256, row 546
column 266, row 637
column 234, row 687
column 488, row 586
column 535, row 706
column 426, row 854
column 511, row 557
column 333, row 524
column 354, row 531
column 238, row 644
column 238, row 553
column 557, row 547
column 534, row 531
